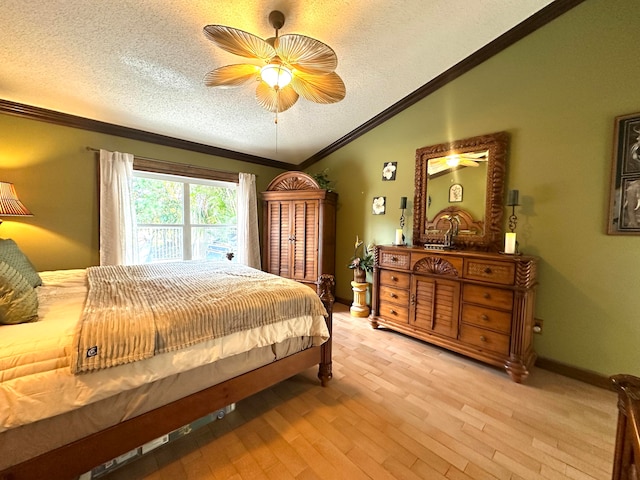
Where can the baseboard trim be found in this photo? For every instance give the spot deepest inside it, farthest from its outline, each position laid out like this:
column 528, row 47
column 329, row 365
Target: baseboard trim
column 586, row 376
column 343, row 301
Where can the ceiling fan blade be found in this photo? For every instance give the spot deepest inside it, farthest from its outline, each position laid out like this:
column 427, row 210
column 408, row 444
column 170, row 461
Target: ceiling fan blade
column 327, row 88
column 468, row 163
column 231, row 75
column 306, row 54
column 476, row 156
column 239, row 42
column 275, row 100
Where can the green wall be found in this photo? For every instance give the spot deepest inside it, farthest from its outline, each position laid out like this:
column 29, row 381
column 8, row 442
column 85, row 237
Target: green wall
column 557, row 93
column 56, row 177
column 472, row 179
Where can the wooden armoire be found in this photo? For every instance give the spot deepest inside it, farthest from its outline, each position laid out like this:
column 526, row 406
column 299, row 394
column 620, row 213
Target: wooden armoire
column 299, row 222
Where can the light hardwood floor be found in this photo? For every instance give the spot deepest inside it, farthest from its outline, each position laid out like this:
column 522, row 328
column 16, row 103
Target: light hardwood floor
column 398, row 408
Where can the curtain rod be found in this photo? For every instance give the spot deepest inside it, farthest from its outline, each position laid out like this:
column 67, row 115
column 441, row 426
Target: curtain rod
column 186, row 165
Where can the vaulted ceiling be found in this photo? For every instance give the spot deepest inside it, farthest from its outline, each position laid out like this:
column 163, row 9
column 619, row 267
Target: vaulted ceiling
column 141, row 63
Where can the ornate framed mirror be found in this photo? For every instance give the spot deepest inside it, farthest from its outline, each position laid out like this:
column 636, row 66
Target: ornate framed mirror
column 474, row 220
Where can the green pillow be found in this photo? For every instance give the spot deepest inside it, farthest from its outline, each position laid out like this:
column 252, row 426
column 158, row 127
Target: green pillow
column 18, row 299
column 13, row 256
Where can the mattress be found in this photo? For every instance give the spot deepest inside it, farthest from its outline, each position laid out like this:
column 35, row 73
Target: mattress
column 36, row 382
column 27, row 441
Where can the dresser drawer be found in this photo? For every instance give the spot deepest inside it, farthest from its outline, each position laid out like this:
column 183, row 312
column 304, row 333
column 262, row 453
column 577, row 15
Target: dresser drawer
column 487, row 318
column 489, row 296
column 395, row 259
column 394, row 279
column 488, row 271
column 485, row 339
column 394, row 295
column 393, row 312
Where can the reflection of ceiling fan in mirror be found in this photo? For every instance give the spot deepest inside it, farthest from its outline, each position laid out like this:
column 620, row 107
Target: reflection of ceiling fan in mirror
column 290, row 66
column 454, row 161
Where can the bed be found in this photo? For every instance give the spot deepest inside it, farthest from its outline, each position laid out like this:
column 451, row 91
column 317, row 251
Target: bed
column 67, row 407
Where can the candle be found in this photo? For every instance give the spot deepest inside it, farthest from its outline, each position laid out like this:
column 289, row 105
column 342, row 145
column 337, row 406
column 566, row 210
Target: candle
column 513, row 197
column 510, row 242
column 399, row 236
column 403, row 202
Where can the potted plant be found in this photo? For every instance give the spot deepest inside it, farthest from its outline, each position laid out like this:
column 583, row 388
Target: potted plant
column 323, row 180
column 361, row 263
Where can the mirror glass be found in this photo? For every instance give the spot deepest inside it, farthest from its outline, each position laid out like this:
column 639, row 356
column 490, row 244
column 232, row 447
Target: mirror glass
column 457, row 181
column 458, row 196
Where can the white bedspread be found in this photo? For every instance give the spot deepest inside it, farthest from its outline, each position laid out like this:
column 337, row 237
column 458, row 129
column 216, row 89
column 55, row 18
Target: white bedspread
column 36, row 381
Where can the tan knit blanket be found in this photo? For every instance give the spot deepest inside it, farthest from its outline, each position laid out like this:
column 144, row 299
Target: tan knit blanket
column 136, row 312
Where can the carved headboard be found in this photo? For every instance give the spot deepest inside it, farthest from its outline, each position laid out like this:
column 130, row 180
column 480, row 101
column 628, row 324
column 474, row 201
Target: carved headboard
column 441, row 222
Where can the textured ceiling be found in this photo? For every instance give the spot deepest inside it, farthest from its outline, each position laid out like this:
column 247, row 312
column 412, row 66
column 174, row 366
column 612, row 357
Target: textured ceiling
column 141, row 63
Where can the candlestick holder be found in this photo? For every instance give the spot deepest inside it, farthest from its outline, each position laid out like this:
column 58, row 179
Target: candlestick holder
column 510, row 242
column 399, row 240
column 513, row 218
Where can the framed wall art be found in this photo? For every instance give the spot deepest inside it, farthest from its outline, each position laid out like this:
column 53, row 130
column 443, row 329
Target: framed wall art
column 455, row 193
column 624, row 197
column 379, row 205
column 389, row 171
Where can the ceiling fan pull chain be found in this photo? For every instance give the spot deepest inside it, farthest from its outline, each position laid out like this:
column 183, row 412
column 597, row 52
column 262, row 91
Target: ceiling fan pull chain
column 276, row 122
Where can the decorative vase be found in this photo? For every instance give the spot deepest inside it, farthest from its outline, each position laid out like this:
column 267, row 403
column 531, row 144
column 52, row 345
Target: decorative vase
column 359, row 275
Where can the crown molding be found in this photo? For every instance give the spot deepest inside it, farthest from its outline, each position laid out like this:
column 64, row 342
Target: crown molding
column 530, row 25
column 67, row 120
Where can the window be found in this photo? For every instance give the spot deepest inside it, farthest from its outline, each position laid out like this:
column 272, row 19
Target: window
column 183, row 218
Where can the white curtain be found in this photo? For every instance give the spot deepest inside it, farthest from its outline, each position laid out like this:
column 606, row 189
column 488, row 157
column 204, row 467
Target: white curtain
column 117, row 212
column 248, row 236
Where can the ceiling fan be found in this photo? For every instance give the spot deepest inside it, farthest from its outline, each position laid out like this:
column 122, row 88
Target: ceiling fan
column 470, row 159
column 291, row 66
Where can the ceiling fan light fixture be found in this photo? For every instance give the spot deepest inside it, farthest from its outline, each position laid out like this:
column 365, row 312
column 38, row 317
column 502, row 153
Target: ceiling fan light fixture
column 276, row 75
column 290, row 66
column 453, row 160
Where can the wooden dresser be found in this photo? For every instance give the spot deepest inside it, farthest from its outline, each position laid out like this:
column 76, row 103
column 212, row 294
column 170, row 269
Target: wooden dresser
column 626, row 459
column 478, row 304
column 299, row 222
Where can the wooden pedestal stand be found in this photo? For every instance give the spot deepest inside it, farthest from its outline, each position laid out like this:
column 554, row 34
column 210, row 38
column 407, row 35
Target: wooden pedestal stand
column 359, row 306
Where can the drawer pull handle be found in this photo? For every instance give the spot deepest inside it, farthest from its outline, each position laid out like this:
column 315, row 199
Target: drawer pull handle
column 486, row 295
column 487, row 270
column 394, row 259
column 393, row 295
column 393, row 312
column 395, row 279
column 484, row 317
column 483, row 338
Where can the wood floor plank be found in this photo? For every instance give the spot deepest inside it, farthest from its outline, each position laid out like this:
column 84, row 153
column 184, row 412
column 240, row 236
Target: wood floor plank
column 261, row 453
column 279, row 472
column 282, row 450
column 399, row 408
column 433, row 443
column 319, row 464
column 493, row 472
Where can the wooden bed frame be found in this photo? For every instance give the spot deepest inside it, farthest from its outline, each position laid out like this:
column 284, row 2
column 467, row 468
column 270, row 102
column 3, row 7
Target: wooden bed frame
column 76, row 458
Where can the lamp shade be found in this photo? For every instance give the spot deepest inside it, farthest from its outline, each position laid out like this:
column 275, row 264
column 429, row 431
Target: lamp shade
column 10, row 205
column 275, row 74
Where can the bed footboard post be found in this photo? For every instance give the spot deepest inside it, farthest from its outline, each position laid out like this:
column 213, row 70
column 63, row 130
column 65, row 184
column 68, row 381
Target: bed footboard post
column 326, row 284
